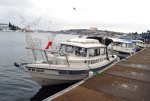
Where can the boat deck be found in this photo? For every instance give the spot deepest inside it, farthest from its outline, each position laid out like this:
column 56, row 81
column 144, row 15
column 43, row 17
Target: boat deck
column 127, row 80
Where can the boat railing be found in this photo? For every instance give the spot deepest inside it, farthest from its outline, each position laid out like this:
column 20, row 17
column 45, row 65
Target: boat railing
column 51, row 56
column 59, row 58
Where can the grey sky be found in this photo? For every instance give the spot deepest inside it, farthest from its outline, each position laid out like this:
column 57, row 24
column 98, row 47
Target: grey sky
column 115, row 15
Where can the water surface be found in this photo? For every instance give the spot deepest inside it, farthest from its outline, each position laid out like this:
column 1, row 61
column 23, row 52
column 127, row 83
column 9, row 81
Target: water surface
column 16, row 84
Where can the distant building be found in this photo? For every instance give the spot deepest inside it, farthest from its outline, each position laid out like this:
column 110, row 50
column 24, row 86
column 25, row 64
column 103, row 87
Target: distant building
column 4, row 27
column 93, row 28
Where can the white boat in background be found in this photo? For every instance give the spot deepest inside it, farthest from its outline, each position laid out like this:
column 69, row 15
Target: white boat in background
column 139, row 44
column 123, row 47
column 125, row 37
column 74, row 61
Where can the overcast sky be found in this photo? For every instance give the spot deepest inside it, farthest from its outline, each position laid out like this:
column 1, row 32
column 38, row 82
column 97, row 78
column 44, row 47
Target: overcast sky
column 115, row 15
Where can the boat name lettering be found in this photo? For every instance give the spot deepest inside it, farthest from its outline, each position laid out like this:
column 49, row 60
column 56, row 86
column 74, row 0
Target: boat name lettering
column 39, row 70
column 64, row 72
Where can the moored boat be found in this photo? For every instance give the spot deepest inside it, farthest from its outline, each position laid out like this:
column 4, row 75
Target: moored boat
column 123, row 47
column 139, row 44
column 73, row 62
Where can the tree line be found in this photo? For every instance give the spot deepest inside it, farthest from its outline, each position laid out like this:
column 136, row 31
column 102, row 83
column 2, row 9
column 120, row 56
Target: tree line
column 13, row 27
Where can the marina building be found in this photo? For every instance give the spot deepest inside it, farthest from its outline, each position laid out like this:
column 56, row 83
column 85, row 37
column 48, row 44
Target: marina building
column 4, row 27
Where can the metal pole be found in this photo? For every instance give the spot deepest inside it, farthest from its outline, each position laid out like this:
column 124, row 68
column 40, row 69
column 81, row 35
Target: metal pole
column 112, row 51
column 67, row 60
column 33, row 52
column 46, row 57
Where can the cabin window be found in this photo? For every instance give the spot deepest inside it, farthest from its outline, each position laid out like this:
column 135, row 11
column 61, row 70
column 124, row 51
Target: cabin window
column 91, row 52
column 97, row 52
column 80, row 51
column 113, row 44
column 102, row 51
column 69, row 49
column 62, row 49
column 130, row 45
column 124, row 45
column 94, row 52
column 118, row 44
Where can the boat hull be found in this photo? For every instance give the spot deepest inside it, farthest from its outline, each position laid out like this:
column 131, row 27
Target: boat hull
column 139, row 48
column 48, row 80
column 47, row 77
column 122, row 55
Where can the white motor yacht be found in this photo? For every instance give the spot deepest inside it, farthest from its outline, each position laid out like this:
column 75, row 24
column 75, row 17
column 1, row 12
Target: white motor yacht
column 123, row 47
column 73, row 62
column 139, row 44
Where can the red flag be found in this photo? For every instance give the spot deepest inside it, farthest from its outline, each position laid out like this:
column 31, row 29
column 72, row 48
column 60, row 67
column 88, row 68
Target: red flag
column 48, row 45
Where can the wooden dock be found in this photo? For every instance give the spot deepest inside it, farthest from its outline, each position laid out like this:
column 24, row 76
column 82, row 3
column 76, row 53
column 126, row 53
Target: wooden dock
column 128, row 80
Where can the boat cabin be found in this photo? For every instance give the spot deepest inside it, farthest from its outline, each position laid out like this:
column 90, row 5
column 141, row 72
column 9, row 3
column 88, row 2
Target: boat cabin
column 76, row 60
column 123, row 43
column 83, row 48
column 123, row 47
column 139, row 42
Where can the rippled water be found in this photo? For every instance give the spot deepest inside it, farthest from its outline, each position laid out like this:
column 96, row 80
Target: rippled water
column 15, row 83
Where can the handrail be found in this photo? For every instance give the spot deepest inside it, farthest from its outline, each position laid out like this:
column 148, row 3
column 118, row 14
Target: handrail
column 46, row 54
column 39, row 49
column 46, row 57
column 67, row 59
column 43, row 50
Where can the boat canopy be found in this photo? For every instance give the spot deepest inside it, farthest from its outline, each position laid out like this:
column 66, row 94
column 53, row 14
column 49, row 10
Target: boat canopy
column 123, row 40
column 85, row 43
column 105, row 41
column 138, row 41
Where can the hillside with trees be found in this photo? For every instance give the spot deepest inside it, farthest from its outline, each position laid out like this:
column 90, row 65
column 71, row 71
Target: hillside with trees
column 13, row 27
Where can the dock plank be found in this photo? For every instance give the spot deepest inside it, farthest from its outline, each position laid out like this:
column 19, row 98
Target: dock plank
column 84, row 94
column 132, row 65
column 132, row 73
column 127, row 80
column 124, row 88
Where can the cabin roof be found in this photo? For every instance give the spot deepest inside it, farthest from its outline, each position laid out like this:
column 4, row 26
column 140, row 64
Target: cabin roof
column 123, row 40
column 85, row 43
column 137, row 40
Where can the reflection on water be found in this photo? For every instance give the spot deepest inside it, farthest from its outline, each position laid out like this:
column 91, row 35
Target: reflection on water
column 48, row 91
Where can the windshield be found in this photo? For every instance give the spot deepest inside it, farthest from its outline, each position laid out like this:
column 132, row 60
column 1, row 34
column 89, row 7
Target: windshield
column 80, row 51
